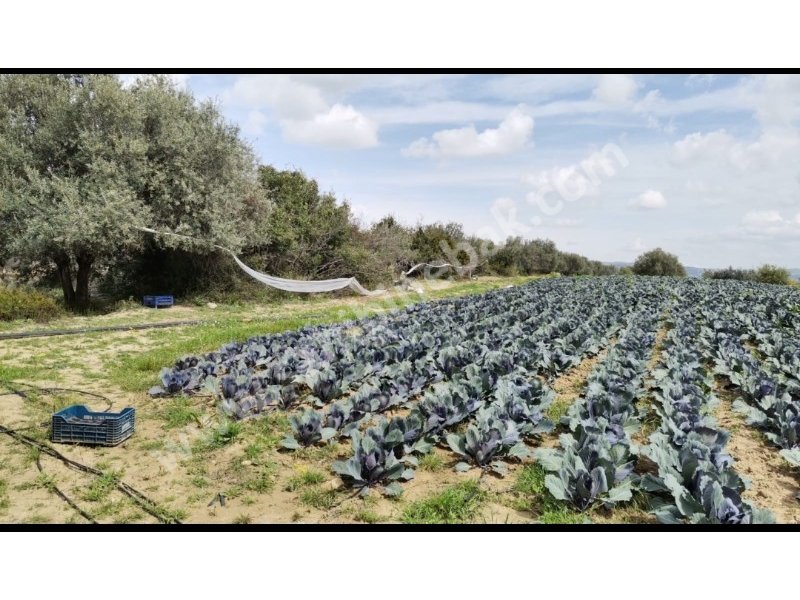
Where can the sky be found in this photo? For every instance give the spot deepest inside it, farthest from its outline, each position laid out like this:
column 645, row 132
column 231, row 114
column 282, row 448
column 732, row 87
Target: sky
column 608, row 166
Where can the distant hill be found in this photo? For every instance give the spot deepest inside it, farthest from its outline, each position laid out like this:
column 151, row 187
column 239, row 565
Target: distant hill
column 698, row 271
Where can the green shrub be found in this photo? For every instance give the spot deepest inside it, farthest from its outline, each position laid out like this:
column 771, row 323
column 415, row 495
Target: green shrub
column 773, row 274
column 730, row 273
column 659, row 263
column 25, row 303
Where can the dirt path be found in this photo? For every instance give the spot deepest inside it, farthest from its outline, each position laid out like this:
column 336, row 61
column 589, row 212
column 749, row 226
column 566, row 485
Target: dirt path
column 773, row 483
column 569, row 387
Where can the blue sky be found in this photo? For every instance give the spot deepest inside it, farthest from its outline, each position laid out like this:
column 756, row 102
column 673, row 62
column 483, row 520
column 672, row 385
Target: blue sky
column 605, row 165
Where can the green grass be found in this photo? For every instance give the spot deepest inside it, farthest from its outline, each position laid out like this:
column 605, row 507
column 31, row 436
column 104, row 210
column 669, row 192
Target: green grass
column 530, row 481
column 269, row 429
column 305, row 479
column 431, row 462
column 317, row 498
column 179, row 412
column 253, row 451
column 131, row 516
column 457, row 504
column 263, row 481
column 326, row 452
column 170, row 514
column 109, row 509
column 532, row 495
column 199, row 481
column 42, row 481
column 367, row 516
column 4, row 500
column 152, row 445
column 139, row 371
column 558, row 409
column 224, row 434
column 37, row 519
column 102, row 486
column 14, row 373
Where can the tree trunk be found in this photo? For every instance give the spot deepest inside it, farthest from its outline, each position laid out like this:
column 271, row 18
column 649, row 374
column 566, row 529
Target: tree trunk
column 82, row 283
column 65, row 275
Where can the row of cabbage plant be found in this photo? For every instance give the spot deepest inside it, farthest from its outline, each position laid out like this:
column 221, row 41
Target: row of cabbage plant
column 499, row 394
column 595, row 463
column 696, row 481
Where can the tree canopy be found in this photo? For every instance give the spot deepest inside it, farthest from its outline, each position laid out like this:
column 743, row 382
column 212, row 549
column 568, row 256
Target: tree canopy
column 659, row 263
column 84, row 160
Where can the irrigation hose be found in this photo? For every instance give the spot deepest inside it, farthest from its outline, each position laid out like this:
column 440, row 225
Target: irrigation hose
column 64, row 497
column 50, row 391
column 56, row 332
column 138, row 497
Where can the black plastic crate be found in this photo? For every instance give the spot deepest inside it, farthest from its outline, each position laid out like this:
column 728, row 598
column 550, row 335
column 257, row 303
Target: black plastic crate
column 78, row 425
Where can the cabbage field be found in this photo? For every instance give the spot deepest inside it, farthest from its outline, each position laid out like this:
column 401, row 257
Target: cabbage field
column 474, row 375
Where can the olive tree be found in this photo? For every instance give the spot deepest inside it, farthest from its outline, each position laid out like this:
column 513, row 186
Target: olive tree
column 84, row 161
column 68, row 145
column 659, row 263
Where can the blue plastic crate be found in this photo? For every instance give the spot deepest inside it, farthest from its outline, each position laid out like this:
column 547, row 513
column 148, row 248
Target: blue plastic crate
column 78, row 425
column 158, row 301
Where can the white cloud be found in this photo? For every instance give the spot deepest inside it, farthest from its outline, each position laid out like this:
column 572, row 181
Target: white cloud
column 770, row 148
column 304, row 110
column 181, row 80
column 507, row 220
column 768, row 224
column 637, row 245
column 566, row 222
column 775, row 102
column 554, row 186
column 763, row 218
column 616, row 89
column 701, row 80
column 254, row 123
column 709, row 194
column 699, row 146
column 511, row 135
column 651, row 199
column 287, row 97
column 340, row 127
column 539, row 87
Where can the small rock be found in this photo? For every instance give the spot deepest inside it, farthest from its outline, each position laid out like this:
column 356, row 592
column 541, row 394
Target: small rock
column 212, row 305
column 247, row 463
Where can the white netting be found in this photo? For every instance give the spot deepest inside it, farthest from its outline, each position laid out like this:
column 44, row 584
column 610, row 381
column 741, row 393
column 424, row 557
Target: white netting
column 289, row 285
column 415, row 267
